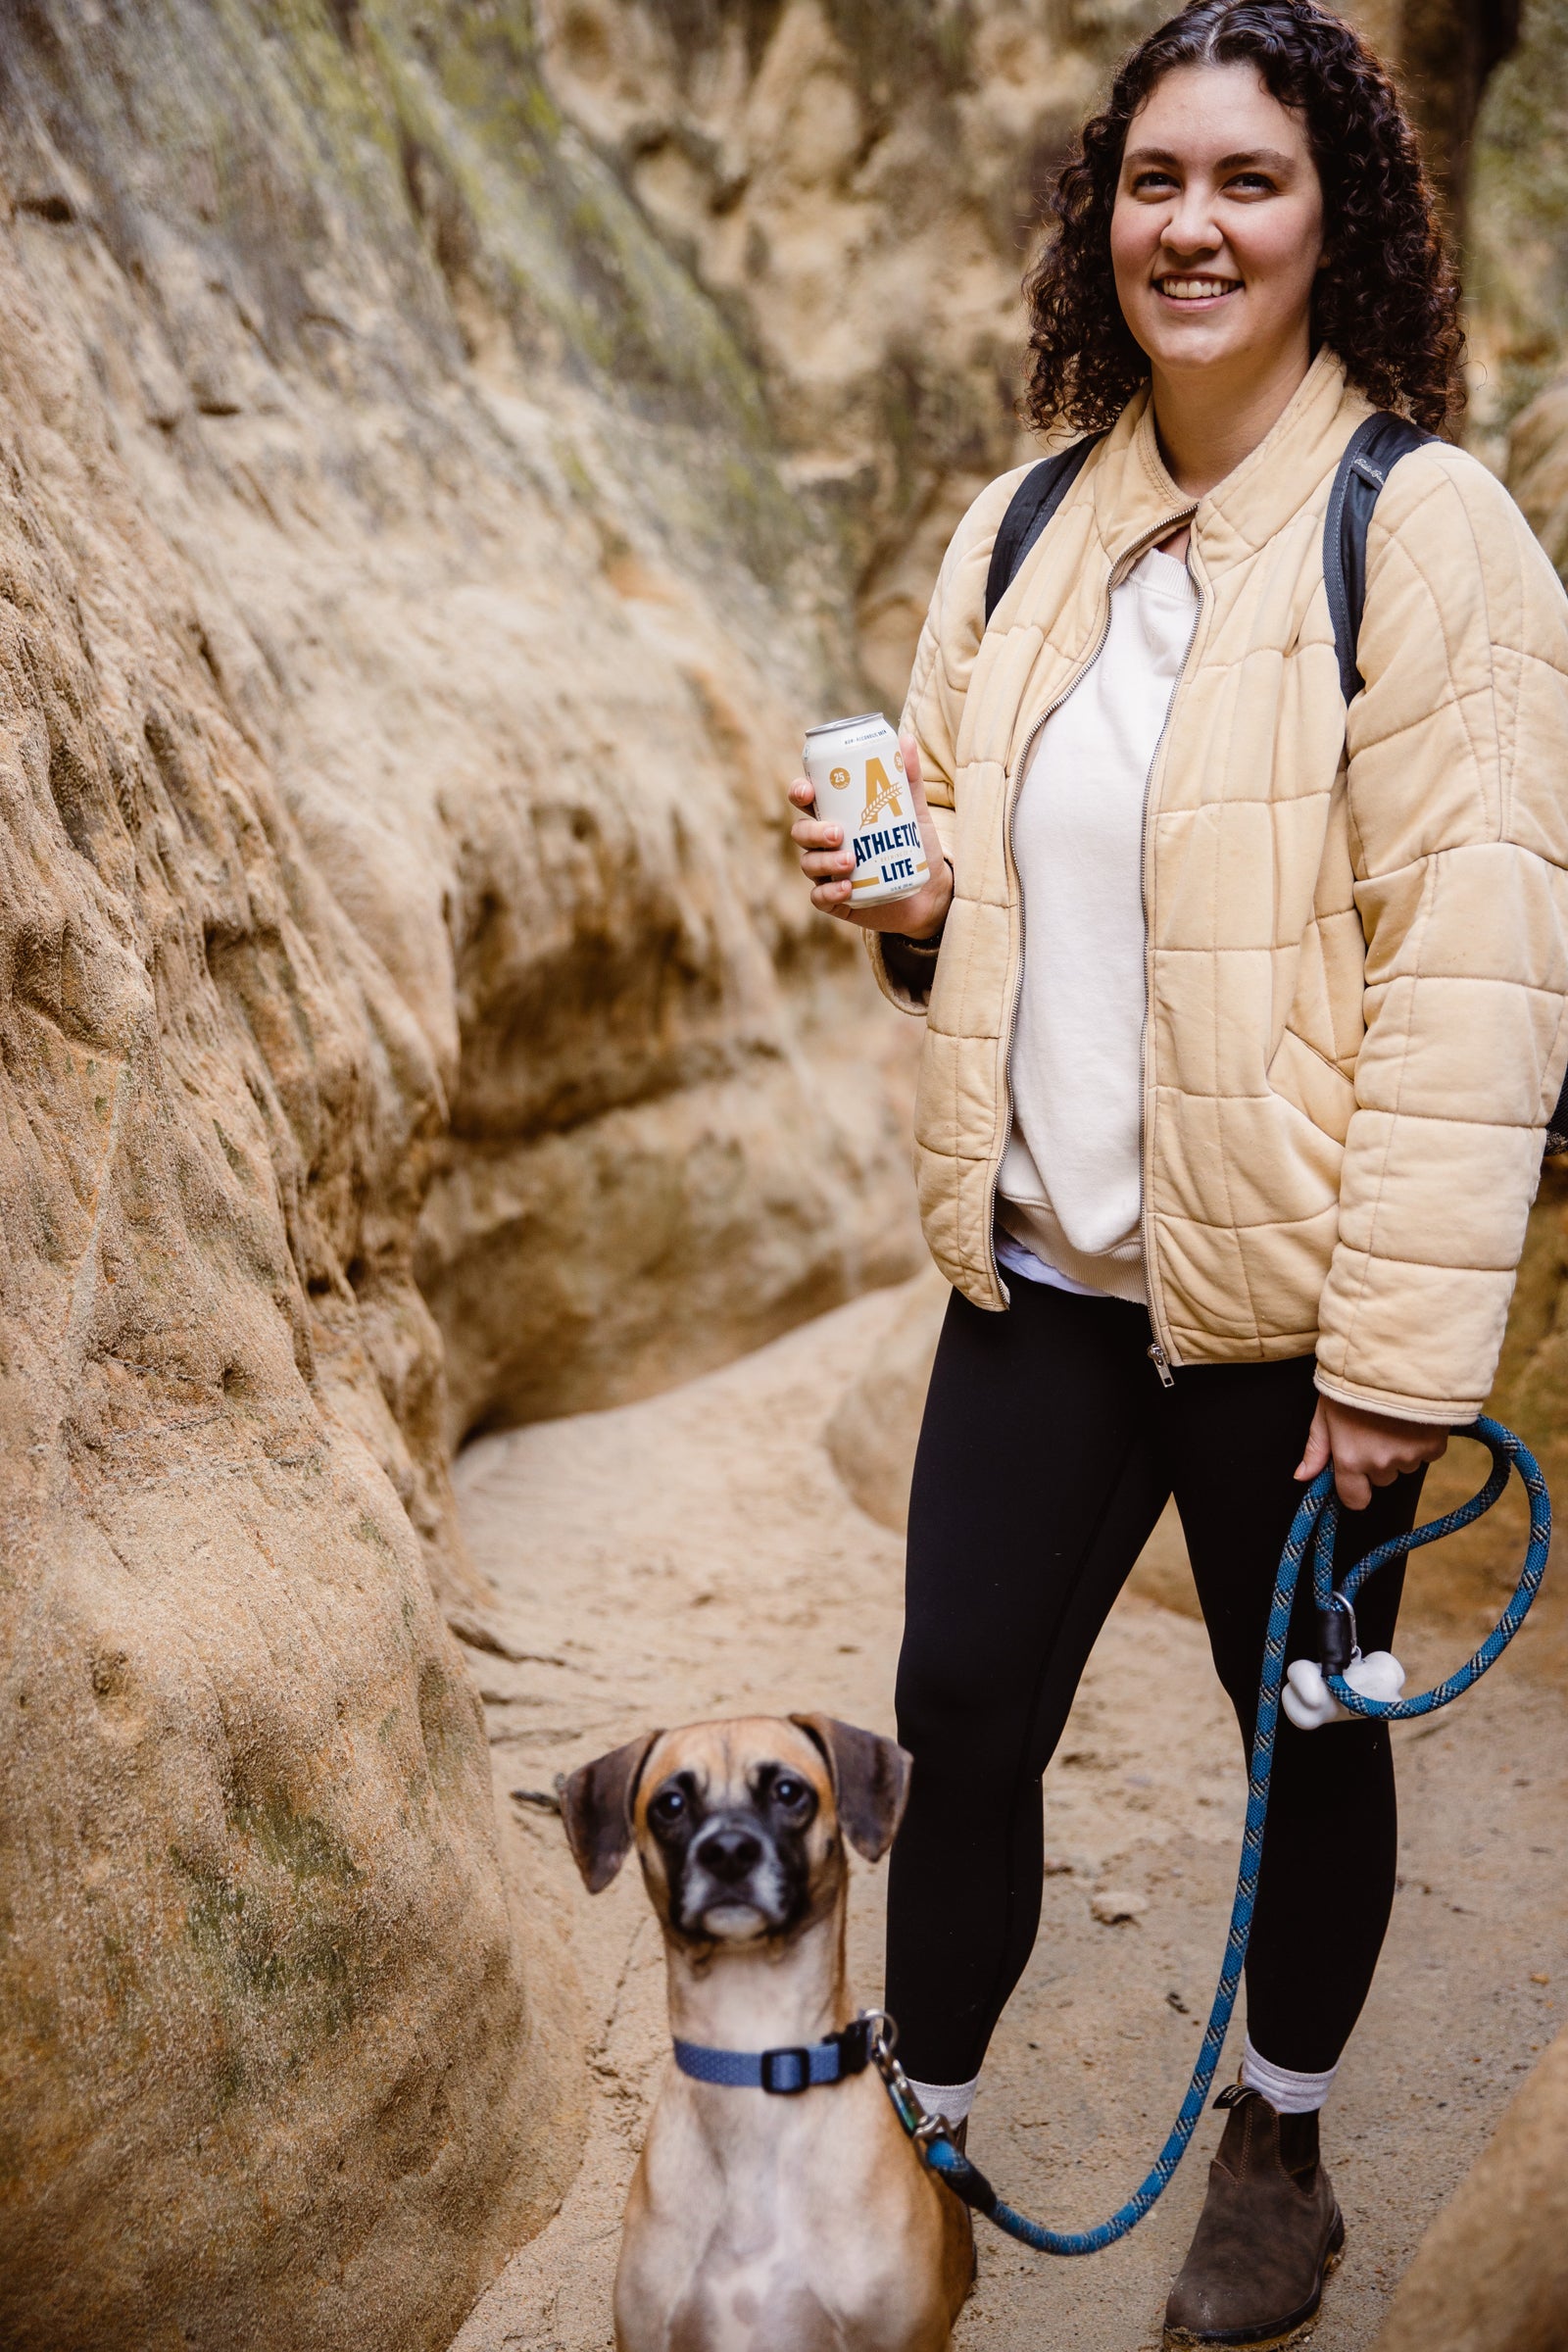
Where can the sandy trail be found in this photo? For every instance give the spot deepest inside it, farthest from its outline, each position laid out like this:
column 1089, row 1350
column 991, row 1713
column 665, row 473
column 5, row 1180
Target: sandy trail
column 696, row 1554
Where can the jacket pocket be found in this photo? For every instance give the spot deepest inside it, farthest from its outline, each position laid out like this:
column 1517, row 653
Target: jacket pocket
column 1312, row 1085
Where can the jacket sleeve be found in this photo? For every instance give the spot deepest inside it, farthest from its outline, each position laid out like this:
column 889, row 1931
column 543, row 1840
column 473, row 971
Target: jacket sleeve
column 1459, row 811
column 933, row 709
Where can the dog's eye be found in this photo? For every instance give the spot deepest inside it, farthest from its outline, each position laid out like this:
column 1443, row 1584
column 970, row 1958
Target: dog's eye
column 789, row 1792
column 668, row 1805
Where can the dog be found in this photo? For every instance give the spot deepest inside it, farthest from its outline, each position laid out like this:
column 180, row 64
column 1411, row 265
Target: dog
column 777, row 2218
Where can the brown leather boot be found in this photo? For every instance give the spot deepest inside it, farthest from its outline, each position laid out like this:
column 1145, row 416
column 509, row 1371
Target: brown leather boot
column 1269, row 2236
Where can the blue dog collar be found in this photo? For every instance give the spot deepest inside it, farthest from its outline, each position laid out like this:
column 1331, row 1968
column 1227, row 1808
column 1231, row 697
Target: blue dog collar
column 783, row 2072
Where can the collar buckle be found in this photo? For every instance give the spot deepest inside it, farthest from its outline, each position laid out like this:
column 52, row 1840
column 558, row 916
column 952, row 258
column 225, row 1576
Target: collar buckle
column 784, row 2072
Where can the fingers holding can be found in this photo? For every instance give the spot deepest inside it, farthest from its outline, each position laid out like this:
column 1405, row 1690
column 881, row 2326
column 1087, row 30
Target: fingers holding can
column 826, row 861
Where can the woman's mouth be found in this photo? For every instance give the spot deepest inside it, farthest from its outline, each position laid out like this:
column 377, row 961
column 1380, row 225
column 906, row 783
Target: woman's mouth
column 1197, row 289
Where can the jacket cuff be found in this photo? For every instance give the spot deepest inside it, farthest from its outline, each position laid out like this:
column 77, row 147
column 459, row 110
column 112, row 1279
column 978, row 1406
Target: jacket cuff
column 1432, row 1411
column 905, row 968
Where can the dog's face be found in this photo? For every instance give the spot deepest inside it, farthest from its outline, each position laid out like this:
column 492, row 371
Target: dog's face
column 739, row 1825
column 737, row 1831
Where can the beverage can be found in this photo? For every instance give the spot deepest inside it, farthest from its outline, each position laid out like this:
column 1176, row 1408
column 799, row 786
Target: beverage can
column 856, row 771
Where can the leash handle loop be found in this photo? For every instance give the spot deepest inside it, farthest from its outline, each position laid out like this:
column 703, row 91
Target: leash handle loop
column 1508, row 1453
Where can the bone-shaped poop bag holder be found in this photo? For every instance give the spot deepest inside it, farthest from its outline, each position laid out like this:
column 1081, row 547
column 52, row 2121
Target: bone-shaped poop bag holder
column 1306, row 1697
column 1313, row 1689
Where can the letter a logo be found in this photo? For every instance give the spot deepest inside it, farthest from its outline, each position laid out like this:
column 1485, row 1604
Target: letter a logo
column 880, row 794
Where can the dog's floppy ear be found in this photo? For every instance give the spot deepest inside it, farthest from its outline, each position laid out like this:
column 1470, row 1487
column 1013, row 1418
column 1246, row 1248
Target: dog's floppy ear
column 870, row 1781
column 596, row 1804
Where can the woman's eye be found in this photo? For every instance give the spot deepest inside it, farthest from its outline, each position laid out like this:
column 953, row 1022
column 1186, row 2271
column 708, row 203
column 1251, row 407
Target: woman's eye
column 1148, row 183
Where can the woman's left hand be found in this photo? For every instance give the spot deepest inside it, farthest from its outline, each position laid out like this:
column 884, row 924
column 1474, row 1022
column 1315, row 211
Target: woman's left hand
column 1367, row 1450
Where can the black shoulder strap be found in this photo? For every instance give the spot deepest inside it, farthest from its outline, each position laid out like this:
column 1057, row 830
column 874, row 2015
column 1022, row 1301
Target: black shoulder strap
column 1373, row 449
column 1029, row 509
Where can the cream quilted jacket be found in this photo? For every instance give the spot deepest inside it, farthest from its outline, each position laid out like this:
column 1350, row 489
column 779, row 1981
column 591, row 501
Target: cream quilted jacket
column 1357, row 924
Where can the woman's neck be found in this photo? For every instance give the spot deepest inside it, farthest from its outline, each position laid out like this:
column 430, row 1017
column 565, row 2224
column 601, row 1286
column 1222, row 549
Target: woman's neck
column 1207, row 428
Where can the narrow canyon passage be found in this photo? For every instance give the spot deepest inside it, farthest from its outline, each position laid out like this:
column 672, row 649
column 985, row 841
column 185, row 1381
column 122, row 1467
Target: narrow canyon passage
column 696, row 1554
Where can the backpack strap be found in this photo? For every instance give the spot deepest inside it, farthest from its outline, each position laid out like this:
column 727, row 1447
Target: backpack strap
column 1029, row 509
column 1373, row 449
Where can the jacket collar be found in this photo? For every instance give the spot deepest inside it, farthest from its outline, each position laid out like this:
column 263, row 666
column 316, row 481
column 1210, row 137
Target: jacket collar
column 1134, row 493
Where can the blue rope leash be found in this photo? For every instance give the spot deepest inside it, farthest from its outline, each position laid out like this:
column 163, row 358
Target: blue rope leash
column 1314, row 1529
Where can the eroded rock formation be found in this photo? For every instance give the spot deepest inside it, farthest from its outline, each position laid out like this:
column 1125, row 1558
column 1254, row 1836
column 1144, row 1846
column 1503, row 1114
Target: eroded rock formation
column 1491, row 2272
column 855, row 183
column 406, row 629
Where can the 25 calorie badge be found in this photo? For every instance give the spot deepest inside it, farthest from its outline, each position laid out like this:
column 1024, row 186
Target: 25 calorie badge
column 857, row 772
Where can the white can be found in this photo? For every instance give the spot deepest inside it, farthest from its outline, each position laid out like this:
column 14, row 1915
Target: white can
column 856, row 771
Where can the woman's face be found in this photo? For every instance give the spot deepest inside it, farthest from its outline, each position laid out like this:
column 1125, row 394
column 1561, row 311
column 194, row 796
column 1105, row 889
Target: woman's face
column 1217, row 230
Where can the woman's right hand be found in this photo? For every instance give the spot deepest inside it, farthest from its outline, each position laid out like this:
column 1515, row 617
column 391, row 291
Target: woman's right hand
column 828, row 864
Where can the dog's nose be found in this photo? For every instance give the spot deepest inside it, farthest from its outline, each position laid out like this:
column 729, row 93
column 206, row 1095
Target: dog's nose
column 729, row 1854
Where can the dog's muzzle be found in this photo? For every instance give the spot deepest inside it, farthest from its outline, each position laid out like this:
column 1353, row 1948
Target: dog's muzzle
column 733, row 1883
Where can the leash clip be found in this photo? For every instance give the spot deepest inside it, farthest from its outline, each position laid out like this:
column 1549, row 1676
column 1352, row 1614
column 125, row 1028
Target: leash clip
column 882, row 2035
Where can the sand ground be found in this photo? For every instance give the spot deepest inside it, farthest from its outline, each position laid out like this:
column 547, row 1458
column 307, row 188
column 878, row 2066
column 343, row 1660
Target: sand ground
column 696, row 1554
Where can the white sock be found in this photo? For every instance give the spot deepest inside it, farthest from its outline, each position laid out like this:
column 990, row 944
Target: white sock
column 951, row 2099
column 1288, row 2092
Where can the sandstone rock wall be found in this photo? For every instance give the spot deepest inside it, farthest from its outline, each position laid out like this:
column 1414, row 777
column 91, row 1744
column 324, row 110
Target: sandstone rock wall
column 1518, row 202
column 405, row 628
column 854, row 183
column 268, row 2023
column 1491, row 2272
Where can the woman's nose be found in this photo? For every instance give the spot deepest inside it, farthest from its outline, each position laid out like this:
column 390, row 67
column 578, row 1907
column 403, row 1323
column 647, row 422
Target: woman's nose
column 1190, row 228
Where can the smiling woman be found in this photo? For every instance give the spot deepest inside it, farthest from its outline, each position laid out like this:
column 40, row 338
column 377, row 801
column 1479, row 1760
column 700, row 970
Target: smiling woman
column 1246, row 1013
column 1215, row 249
column 1368, row 275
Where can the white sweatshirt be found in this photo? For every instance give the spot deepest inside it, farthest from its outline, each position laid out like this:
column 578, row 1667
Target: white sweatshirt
column 1070, row 1194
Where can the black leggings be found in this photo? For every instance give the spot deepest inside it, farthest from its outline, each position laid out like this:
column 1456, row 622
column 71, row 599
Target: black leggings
column 1047, row 1453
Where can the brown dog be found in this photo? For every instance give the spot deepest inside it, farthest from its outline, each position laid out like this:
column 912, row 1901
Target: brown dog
column 766, row 2220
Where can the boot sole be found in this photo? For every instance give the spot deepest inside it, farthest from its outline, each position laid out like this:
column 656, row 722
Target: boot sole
column 1281, row 2333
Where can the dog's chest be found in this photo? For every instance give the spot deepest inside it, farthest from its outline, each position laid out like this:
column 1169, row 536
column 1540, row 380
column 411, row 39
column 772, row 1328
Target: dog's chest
column 777, row 2251
column 753, row 2307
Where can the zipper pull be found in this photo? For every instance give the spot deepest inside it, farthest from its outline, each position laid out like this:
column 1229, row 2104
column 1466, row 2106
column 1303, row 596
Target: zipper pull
column 1157, row 1357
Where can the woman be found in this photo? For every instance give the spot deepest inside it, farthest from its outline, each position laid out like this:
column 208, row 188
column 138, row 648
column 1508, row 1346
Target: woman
column 1244, row 1018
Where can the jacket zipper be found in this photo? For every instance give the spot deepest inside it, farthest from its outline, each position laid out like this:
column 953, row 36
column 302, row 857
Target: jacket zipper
column 1016, row 775
column 1161, row 1354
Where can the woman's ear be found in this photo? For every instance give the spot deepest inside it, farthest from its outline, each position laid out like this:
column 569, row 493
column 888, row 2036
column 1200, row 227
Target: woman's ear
column 870, row 1781
column 596, row 1810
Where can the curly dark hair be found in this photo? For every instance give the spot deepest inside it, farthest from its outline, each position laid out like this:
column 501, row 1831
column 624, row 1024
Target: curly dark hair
column 1387, row 298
